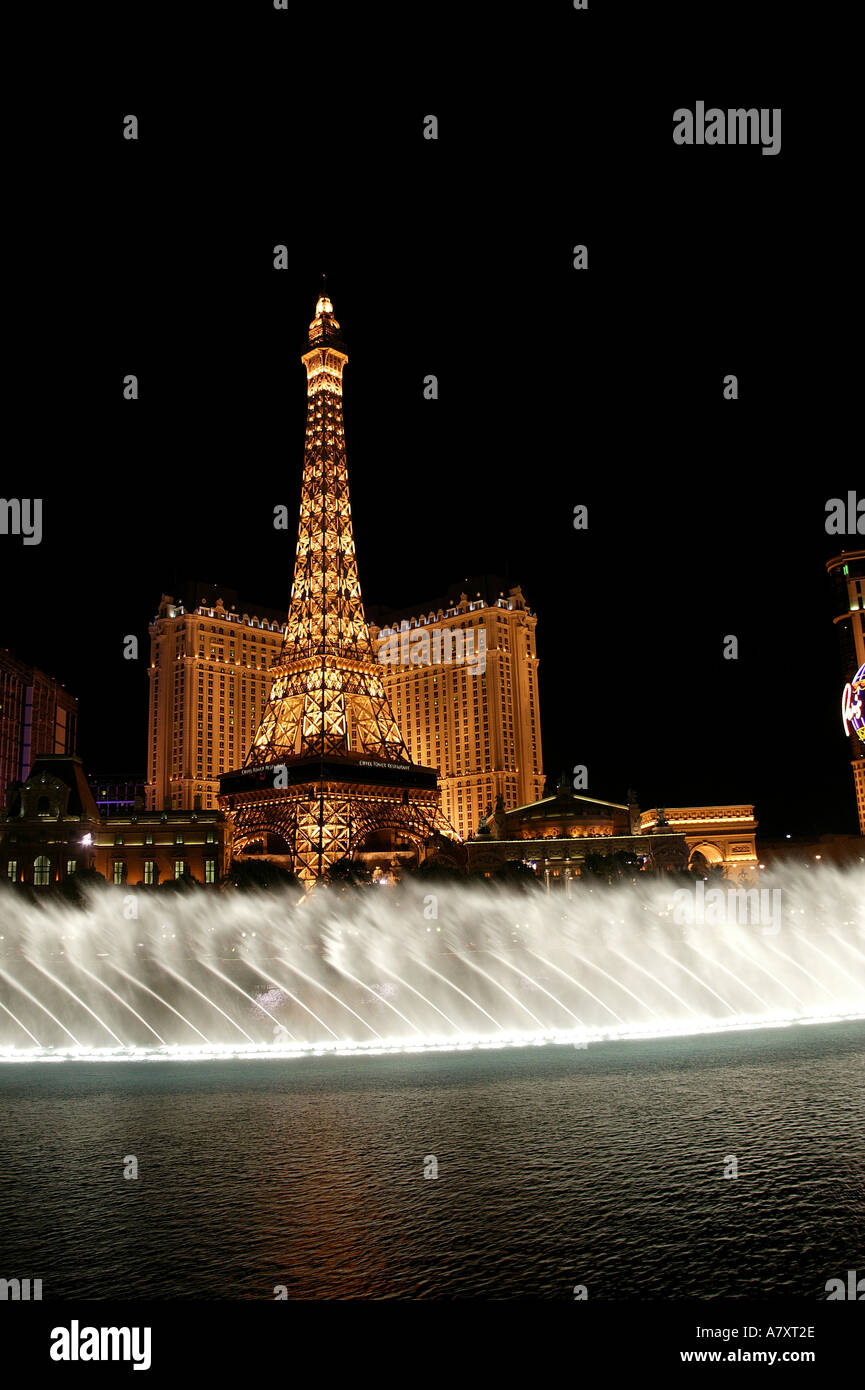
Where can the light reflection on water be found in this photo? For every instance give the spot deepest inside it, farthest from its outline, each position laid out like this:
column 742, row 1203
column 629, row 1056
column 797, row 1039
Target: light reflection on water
column 557, row 1165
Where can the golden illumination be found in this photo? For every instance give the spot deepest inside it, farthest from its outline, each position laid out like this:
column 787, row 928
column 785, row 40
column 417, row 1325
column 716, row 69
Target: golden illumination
column 327, row 697
column 480, row 729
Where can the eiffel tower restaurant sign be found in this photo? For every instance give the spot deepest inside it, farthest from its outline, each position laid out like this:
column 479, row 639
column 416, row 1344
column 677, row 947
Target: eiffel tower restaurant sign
column 279, row 775
column 328, row 775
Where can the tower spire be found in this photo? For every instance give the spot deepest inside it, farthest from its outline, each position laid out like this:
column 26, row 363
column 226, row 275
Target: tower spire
column 324, row 327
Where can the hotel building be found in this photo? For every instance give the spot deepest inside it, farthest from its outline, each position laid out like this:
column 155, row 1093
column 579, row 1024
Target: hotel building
column 36, row 716
column 210, row 656
column 52, row 829
column 847, row 574
column 464, row 691
column 556, row 834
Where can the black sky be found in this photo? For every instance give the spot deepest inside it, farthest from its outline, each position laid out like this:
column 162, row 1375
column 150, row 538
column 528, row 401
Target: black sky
column 706, row 517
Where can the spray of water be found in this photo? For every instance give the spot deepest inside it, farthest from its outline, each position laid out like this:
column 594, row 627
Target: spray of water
column 403, row 968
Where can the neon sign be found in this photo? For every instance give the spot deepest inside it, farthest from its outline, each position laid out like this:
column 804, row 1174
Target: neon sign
column 852, row 709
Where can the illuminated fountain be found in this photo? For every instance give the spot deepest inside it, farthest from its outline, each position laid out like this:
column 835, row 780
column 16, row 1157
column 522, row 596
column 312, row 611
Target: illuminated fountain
column 144, row 976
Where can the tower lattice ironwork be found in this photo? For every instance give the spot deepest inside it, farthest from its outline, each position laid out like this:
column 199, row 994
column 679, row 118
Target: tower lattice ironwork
column 328, row 765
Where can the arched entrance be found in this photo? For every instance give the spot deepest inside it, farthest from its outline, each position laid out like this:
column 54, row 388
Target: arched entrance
column 387, row 852
column 705, row 856
column 267, row 846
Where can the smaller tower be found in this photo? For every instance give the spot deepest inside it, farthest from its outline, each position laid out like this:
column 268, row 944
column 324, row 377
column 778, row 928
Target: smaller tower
column 847, row 573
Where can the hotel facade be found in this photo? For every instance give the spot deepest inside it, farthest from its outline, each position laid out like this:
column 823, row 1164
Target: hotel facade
column 53, row 829
column 475, row 718
column 210, row 659
column 555, row 835
column 37, row 715
column 462, row 678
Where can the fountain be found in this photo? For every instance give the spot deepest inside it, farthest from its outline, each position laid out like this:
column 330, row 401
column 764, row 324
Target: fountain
column 144, row 975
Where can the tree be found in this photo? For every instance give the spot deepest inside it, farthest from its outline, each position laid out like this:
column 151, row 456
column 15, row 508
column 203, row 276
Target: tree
column 610, row 868
column 261, row 875
column 185, row 884
column 516, row 874
column 716, row 873
column 435, row 870
column 76, row 887
column 345, row 874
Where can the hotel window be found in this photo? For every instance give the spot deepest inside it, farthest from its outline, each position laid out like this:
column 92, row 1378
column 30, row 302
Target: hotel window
column 41, row 871
column 149, row 871
column 12, row 870
column 71, row 866
column 178, row 838
column 119, row 871
column 210, row 871
column 179, row 868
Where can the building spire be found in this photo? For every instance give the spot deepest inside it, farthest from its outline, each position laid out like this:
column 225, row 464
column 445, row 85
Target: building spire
column 324, row 327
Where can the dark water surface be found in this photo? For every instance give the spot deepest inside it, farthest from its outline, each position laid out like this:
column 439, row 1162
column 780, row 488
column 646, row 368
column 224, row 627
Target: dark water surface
column 556, row 1167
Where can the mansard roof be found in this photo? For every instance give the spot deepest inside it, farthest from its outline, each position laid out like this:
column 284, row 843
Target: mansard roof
column 562, row 801
column 66, row 768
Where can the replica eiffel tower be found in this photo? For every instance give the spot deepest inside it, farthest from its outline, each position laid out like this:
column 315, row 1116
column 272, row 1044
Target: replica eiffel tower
column 328, row 771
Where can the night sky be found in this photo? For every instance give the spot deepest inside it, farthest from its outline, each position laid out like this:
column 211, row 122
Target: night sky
column 557, row 387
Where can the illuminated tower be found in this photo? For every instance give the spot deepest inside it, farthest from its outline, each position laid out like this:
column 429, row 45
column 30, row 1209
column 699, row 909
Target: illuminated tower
column 847, row 572
column 328, row 772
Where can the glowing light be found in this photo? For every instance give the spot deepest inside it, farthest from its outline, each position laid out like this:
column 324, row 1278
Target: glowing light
column 326, row 976
column 327, row 696
column 851, row 705
column 276, row 1051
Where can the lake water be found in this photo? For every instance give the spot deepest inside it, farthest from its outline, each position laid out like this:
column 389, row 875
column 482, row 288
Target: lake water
column 557, row 1166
